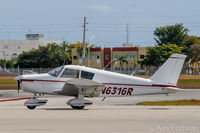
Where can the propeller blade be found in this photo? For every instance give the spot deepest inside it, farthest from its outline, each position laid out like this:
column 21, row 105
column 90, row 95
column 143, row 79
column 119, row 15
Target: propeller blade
column 18, row 86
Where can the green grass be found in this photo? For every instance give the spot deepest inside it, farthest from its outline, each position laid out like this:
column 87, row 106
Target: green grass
column 3, row 82
column 189, row 81
column 192, row 102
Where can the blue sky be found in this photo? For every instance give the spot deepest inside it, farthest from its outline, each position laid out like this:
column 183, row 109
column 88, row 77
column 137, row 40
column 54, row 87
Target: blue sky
column 107, row 19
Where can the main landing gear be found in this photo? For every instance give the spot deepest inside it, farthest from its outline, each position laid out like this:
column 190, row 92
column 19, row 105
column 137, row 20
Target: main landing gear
column 34, row 102
column 79, row 102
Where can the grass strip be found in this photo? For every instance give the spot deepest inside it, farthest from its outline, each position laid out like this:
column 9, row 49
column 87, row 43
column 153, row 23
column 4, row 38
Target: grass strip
column 189, row 81
column 192, row 102
column 7, row 82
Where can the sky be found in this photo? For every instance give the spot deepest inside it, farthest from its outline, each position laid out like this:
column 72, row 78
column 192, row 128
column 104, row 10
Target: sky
column 107, row 20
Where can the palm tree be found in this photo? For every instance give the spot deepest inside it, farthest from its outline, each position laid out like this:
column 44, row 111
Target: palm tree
column 122, row 60
column 67, row 51
column 80, row 49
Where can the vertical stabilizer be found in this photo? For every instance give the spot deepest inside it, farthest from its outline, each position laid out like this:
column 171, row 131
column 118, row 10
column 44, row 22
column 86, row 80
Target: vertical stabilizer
column 170, row 71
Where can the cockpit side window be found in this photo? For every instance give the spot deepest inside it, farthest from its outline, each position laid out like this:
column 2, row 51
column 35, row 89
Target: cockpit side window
column 87, row 75
column 70, row 73
column 55, row 72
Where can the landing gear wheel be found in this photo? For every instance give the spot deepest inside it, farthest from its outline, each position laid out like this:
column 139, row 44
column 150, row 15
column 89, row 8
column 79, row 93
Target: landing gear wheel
column 31, row 107
column 78, row 107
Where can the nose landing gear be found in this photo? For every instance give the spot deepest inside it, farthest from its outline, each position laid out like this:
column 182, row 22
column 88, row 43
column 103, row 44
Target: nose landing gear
column 34, row 102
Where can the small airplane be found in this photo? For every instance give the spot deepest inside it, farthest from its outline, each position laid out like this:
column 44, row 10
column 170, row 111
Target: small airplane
column 81, row 82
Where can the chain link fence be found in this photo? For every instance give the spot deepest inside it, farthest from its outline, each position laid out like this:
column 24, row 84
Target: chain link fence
column 134, row 71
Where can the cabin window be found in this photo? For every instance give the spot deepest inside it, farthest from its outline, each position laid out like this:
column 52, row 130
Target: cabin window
column 70, row 73
column 87, row 75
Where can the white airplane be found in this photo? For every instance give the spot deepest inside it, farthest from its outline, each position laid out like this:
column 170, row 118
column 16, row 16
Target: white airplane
column 81, row 81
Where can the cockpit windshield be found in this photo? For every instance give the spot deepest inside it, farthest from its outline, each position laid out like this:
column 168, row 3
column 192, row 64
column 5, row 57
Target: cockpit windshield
column 70, row 73
column 55, row 72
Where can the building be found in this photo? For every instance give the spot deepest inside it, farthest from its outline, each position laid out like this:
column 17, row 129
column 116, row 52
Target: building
column 10, row 49
column 107, row 57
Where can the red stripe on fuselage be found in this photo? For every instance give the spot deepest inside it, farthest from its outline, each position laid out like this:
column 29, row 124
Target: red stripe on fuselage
column 32, row 80
column 153, row 85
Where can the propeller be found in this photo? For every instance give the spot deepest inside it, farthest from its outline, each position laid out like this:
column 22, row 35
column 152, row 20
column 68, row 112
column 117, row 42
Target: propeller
column 18, row 79
column 18, row 85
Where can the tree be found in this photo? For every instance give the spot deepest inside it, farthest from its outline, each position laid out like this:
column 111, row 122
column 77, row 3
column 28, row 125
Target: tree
column 2, row 63
column 67, row 51
column 49, row 56
column 157, row 55
column 121, row 59
column 171, row 34
column 190, row 40
column 7, row 63
column 79, row 46
column 194, row 53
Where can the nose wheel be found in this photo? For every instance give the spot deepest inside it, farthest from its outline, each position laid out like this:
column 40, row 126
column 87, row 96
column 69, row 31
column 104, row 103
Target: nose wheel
column 78, row 107
column 31, row 107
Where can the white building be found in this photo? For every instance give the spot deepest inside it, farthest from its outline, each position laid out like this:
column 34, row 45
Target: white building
column 12, row 48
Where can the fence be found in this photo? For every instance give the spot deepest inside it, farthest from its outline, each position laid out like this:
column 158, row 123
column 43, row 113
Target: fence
column 134, row 71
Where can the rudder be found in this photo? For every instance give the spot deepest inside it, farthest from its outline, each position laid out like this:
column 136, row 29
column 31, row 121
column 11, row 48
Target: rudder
column 170, row 71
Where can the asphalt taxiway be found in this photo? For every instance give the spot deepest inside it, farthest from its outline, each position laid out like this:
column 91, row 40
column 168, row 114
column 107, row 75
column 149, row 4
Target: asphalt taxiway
column 112, row 115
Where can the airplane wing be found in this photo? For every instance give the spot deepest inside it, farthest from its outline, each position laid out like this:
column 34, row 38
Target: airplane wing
column 87, row 88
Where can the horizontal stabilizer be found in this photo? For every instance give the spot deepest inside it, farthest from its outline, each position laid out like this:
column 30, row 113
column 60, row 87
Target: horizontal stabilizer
column 170, row 90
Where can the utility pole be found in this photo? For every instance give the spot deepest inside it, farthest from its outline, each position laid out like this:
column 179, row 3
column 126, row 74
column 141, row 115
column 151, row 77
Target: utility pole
column 84, row 45
column 89, row 50
column 127, row 34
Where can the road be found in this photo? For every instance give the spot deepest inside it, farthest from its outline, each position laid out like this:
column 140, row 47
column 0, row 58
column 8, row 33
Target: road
column 112, row 115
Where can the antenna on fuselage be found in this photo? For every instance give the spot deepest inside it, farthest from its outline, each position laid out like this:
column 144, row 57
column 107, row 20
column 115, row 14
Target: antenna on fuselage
column 109, row 63
column 134, row 72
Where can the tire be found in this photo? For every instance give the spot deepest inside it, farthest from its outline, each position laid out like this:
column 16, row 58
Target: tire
column 78, row 107
column 31, row 107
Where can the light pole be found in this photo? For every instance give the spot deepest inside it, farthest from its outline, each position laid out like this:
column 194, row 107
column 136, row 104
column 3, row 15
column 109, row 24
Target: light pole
column 84, row 31
column 92, row 37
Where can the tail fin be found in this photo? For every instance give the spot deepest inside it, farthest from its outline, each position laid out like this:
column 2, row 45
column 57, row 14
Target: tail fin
column 169, row 72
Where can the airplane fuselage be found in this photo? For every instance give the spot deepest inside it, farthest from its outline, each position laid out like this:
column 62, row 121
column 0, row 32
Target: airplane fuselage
column 80, row 82
column 115, row 84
